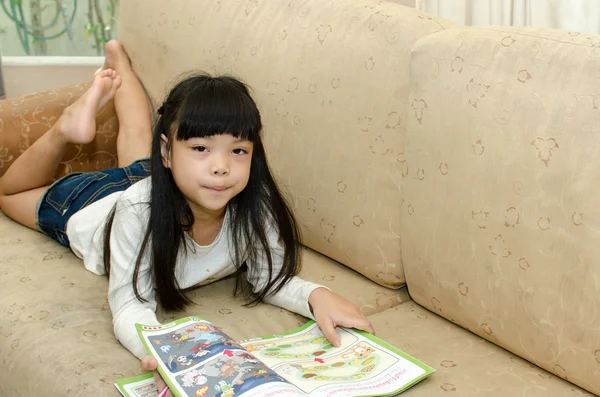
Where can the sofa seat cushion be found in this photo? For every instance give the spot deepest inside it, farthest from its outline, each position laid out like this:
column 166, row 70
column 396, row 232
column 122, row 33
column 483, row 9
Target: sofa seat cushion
column 56, row 335
column 466, row 365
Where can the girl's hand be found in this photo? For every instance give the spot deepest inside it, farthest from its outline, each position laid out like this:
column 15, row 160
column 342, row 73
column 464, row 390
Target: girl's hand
column 150, row 364
column 331, row 310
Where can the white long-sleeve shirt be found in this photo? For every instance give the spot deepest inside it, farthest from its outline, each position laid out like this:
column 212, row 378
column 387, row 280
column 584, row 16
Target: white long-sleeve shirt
column 201, row 264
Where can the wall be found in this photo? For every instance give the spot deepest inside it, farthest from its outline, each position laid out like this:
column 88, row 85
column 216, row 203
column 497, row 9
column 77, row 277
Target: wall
column 408, row 3
column 27, row 75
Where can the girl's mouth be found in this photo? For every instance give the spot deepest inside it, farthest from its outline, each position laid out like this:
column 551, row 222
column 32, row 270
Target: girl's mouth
column 217, row 188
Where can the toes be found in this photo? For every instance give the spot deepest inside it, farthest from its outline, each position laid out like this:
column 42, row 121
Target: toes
column 110, row 73
column 105, row 73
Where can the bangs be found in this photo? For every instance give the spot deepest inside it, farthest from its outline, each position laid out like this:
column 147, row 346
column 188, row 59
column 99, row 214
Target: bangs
column 219, row 105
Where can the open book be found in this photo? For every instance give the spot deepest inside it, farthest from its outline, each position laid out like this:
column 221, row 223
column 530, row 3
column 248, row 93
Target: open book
column 196, row 359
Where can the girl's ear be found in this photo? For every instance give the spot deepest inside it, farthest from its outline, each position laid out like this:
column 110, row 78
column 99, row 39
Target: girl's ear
column 164, row 151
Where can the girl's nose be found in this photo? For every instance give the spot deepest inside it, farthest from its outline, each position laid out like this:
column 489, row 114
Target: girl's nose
column 220, row 167
column 220, row 171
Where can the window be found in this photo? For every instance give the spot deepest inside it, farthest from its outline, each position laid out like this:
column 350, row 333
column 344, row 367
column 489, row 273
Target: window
column 57, row 27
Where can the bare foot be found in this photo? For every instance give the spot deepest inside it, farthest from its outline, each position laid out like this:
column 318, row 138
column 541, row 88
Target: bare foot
column 78, row 122
column 115, row 57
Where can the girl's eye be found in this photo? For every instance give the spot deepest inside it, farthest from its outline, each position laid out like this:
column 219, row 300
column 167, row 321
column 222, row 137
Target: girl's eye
column 200, row 149
column 239, row 151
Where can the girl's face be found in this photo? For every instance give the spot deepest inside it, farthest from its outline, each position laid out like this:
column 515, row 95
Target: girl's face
column 209, row 171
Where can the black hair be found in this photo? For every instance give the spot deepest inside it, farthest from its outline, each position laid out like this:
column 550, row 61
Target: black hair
column 203, row 106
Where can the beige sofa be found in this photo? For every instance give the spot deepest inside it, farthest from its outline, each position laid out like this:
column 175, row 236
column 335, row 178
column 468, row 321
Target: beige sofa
column 457, row 165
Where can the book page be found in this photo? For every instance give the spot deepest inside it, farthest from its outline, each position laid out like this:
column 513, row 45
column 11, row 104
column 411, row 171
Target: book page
column 362, row 365
column 196, row 359
column 138, row 386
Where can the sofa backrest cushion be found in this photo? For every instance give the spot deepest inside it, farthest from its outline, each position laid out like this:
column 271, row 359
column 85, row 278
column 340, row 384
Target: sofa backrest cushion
column 501, row 232
column 331, row 80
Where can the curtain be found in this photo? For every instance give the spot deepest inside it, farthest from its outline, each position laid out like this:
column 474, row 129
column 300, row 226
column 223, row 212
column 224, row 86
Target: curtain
column 575, row 15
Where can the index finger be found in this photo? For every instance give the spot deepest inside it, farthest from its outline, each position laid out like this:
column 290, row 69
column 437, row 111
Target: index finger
column 329, row 331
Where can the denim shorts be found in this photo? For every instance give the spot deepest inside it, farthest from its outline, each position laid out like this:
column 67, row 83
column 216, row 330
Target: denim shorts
column 77, row 190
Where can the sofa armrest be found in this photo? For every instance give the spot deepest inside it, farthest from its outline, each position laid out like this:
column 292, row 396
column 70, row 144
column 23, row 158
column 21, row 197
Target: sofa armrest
column 24, row 119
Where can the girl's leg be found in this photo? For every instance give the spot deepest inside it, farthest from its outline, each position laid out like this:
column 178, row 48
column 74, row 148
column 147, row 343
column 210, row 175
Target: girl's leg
column 28, row 177
column 22, row 207
column 133, row 110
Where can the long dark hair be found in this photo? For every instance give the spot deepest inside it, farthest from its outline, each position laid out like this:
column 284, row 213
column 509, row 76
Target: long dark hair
column 203, row 106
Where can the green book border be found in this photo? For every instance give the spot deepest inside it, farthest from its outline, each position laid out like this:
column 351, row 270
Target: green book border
column 428, row 370
column 121, row 383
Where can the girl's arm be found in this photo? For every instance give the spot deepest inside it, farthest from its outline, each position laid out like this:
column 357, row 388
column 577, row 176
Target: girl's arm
column 127, row 234
column 294, row 295
column 326, row 307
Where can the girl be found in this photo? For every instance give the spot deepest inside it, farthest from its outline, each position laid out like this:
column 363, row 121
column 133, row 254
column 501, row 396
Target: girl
column 203, row 205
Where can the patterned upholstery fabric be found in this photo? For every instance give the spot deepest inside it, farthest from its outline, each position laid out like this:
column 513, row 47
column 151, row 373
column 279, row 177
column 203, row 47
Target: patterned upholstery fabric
column 331, row 79
column 24, row 119
column 460, row 161
column 501, row 191
column 56, row 335
column 466, row 365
